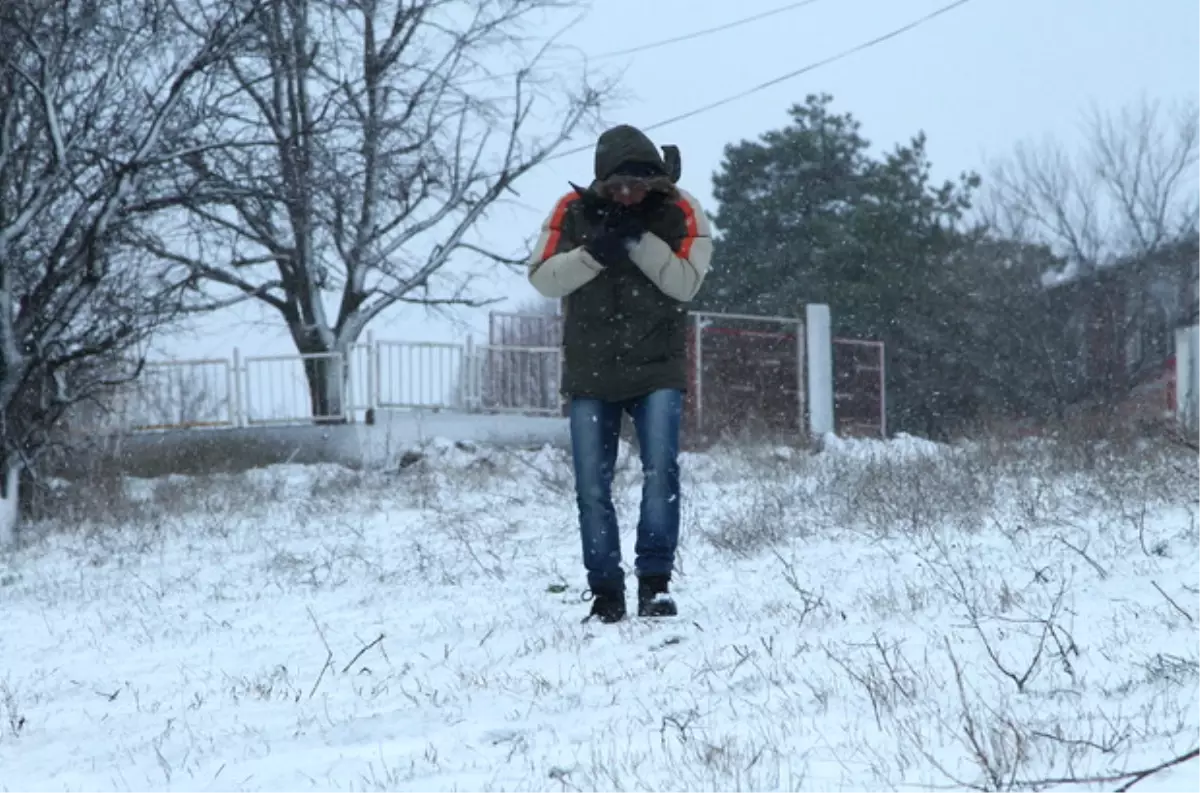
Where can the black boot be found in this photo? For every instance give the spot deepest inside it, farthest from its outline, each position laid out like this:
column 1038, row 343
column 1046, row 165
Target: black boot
column 654, row 598
column 608, row 605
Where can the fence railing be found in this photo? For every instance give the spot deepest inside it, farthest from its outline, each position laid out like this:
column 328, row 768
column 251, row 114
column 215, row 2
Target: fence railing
column 286, row 389
column 265, row 390
column 175, row 394
column 517, row 379
column 755, row 373
column 860, row 387
column 419, row 374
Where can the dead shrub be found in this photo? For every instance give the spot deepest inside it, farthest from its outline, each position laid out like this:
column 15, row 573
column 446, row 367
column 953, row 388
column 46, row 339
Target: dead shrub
column 748, row 530
column 773, row 502
column 98, row 493
column 884, row 491
column 912, row 495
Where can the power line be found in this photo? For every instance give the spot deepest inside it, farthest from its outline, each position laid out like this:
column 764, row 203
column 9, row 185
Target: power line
column 700, row 33
column 815, row 65
column 653, row 45
column 785, row 77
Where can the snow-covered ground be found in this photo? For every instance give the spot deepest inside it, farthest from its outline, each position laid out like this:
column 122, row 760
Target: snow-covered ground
column 873, row 617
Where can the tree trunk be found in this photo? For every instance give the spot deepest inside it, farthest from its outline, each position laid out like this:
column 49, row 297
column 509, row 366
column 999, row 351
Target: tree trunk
column 10, row 502
column 326, row 373
column 327, row 377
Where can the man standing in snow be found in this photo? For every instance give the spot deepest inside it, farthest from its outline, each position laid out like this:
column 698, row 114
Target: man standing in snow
column 625, row 254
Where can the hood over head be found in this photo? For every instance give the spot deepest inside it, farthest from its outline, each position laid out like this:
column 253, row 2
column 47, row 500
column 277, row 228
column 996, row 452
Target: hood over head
column 626, row 145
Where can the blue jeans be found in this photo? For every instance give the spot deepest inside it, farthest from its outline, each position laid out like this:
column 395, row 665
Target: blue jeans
column 595, row 433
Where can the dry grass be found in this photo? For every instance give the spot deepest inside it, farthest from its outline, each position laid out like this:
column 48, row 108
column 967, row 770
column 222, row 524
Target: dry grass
column 1039, row 484
column 776, row 493
column 1050, row 498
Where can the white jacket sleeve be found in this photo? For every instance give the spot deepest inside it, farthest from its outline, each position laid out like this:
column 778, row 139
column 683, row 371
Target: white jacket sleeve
column 557, row 267
column 678, row 272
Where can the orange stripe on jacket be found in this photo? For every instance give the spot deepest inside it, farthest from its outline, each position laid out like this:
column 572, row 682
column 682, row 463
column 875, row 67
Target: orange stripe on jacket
column 693, row 227
column 554, row 226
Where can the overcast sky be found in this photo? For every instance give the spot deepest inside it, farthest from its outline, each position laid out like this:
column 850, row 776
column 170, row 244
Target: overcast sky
column 978, row 80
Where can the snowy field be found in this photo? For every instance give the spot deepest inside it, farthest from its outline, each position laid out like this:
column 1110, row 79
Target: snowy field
column 875, row 617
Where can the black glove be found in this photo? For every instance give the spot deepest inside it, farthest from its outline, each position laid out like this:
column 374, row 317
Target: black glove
column 618, row 228
column 624, row 223
column 607, row 248
column 595, row 206
column 653, row 203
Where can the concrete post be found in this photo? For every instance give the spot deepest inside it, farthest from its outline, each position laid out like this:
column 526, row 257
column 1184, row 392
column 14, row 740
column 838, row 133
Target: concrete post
column 470, row 396
column 819, row 340
column 1187, row 390
column 238, row 408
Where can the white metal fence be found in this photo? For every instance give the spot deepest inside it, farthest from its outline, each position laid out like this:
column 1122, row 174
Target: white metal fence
column 285, row 389
column 515, row 373
column 290, row 389
column 196, row 393
column 418, row 374
column 516, row 379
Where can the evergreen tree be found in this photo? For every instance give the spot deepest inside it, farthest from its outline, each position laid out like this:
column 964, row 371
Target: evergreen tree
column 807, row 214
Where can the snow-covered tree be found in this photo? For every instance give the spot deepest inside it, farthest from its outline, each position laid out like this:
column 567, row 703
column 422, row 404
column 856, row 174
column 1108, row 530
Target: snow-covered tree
column 91, row 98
column 393, row 127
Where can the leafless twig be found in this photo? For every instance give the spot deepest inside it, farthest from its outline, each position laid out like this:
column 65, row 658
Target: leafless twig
column 362, row 652
column 1083, row 553
column 328, row 653
column 1170, row 600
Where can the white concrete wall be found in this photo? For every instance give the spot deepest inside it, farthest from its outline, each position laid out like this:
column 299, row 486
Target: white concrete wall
column 373, row 446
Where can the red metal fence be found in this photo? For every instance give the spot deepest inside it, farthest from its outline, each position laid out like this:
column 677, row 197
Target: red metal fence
column 859, row 387
column 748, row 372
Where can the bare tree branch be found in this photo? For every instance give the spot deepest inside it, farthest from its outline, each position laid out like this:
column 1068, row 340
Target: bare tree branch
column 1130, row 189
column 509, row 261
column 385, row 152
column 89, row 102
column 1122, row 212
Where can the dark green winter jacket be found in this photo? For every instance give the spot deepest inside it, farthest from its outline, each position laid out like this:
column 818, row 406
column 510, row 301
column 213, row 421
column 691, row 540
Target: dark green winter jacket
column 625, row 326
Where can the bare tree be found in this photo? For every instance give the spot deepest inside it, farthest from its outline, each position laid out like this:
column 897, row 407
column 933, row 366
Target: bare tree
column 388, row 144
column 1130, row 189
column 1123, row 207
column 89, row 98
